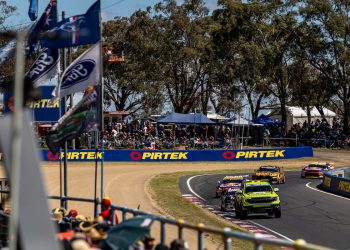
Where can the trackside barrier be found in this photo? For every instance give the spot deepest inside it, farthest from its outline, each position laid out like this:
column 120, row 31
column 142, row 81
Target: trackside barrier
column 337, row 181
column 256, row 154
column 227, row 234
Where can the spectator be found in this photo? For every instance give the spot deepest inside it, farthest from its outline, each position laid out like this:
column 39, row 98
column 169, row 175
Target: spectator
column 106, row 211
column 179, row 244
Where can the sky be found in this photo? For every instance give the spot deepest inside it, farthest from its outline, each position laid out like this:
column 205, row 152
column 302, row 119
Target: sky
column 110, row 8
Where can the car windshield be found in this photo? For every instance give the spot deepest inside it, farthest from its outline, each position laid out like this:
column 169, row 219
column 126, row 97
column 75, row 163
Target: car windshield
column 258, row 188
column 317, row 166
column 268, row 169
column 231, row 181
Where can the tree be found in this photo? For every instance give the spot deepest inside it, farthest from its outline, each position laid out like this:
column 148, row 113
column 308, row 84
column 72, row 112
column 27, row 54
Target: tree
column 324, row 36
column 240, row 46
column 126, row 84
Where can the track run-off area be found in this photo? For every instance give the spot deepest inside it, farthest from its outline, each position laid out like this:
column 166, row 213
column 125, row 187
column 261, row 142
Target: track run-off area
column 307, row 212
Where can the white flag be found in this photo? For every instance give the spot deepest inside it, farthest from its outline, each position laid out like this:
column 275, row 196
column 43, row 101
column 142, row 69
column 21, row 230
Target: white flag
column 45, row 67
column 82, row 73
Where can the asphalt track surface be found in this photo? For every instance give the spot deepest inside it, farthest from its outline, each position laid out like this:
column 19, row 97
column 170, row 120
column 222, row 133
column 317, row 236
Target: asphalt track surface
column 307, row 213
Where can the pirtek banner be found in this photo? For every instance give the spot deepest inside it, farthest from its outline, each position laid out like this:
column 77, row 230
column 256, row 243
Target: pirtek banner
column 335, row 184
column 183, row 155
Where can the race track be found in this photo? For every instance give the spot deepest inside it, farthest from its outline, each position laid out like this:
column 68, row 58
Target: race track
column 307, row 213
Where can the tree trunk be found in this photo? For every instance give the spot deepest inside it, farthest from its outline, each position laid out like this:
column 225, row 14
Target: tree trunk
column 284, row 112
column 308, row 112
column 346, row 117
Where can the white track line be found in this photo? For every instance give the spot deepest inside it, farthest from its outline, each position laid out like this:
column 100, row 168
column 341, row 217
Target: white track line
column 190, row 188
column 257, row 224
column 272, row 231
column 308, row 185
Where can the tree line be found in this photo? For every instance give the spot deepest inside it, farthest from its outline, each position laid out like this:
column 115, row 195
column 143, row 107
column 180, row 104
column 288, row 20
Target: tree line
column 259, row 53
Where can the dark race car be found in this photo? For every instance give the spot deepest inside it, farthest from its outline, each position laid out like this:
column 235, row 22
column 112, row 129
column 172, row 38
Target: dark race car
column 316, row 170
column 227, row 199
column 229, row 182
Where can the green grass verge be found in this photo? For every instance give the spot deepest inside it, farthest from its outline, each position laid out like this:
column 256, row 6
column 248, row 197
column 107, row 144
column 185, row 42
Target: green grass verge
column 165, row 191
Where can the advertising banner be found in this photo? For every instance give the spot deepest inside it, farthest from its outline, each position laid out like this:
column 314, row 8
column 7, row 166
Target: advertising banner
column 183, row 155
column 43, row 110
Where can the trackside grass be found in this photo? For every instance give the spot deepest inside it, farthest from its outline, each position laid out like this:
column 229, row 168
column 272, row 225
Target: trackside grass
column 165, row 191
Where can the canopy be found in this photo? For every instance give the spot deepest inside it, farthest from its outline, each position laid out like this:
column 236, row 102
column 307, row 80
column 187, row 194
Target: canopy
column 263, row 119
column 196, row 118
column 213, row 116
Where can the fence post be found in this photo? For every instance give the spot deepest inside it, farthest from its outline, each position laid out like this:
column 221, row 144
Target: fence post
column 113, row 217
column 123, row 214
column 179, row 224
column 162, row 232
column 96, row 203
column 200, row 236
column 227, row 240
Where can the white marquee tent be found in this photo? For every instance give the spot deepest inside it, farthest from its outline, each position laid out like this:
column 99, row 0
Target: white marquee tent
column 299, row 115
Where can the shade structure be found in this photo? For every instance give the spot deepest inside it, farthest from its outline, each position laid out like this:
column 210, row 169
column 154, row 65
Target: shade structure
column 196, row 118
column 263, row 119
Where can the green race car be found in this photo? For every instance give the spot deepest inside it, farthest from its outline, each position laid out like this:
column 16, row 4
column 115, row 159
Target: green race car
column 257, row 197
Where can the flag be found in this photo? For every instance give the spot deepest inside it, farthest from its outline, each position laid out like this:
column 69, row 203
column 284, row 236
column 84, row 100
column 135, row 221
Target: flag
column 75, row 30
column 45, row 67
column 84, row 117
column 7, row 51
column 47, row 21
column 33, row 9
column 82, row 73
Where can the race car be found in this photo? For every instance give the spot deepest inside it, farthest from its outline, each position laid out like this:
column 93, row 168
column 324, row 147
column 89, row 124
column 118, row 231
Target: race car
column 229, row 182
column 316, row 169
column 227, row 198
column 273, row 174
column 257, row 197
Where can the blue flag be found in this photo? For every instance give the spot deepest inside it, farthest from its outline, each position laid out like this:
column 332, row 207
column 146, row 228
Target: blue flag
column 75, row 31
column 47, row 21
column 33, row 9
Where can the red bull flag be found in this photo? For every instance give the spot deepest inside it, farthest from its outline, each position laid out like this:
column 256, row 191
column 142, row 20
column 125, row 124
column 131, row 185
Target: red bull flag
column 84, row 117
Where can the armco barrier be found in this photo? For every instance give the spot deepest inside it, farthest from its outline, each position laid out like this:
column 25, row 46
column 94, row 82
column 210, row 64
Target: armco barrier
column 183, row 155
column 337, row 181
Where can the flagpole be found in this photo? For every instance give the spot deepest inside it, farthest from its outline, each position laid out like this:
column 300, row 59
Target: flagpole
column 101, row 96
column 65, row 174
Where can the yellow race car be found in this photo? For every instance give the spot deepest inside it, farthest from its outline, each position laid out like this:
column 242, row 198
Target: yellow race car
column 273, row 174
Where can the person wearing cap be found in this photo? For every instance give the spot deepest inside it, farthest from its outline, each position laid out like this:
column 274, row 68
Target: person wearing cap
column 179, row 244
column 106, row 211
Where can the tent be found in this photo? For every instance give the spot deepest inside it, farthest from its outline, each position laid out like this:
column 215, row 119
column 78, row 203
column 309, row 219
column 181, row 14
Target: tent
column 299, row 115
column 237, row 121
column 196, row 118
column 264, row 120
column 216, row 117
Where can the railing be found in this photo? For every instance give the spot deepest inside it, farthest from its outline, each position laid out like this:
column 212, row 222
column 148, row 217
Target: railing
column 227, row 234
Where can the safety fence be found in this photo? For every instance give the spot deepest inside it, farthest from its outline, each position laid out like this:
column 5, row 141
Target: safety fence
column 182, row 155
column 227, row 234
column 337, row 181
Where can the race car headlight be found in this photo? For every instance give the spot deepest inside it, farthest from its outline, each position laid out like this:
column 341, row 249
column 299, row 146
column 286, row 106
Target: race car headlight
column 274, row 198
column 247, row 200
